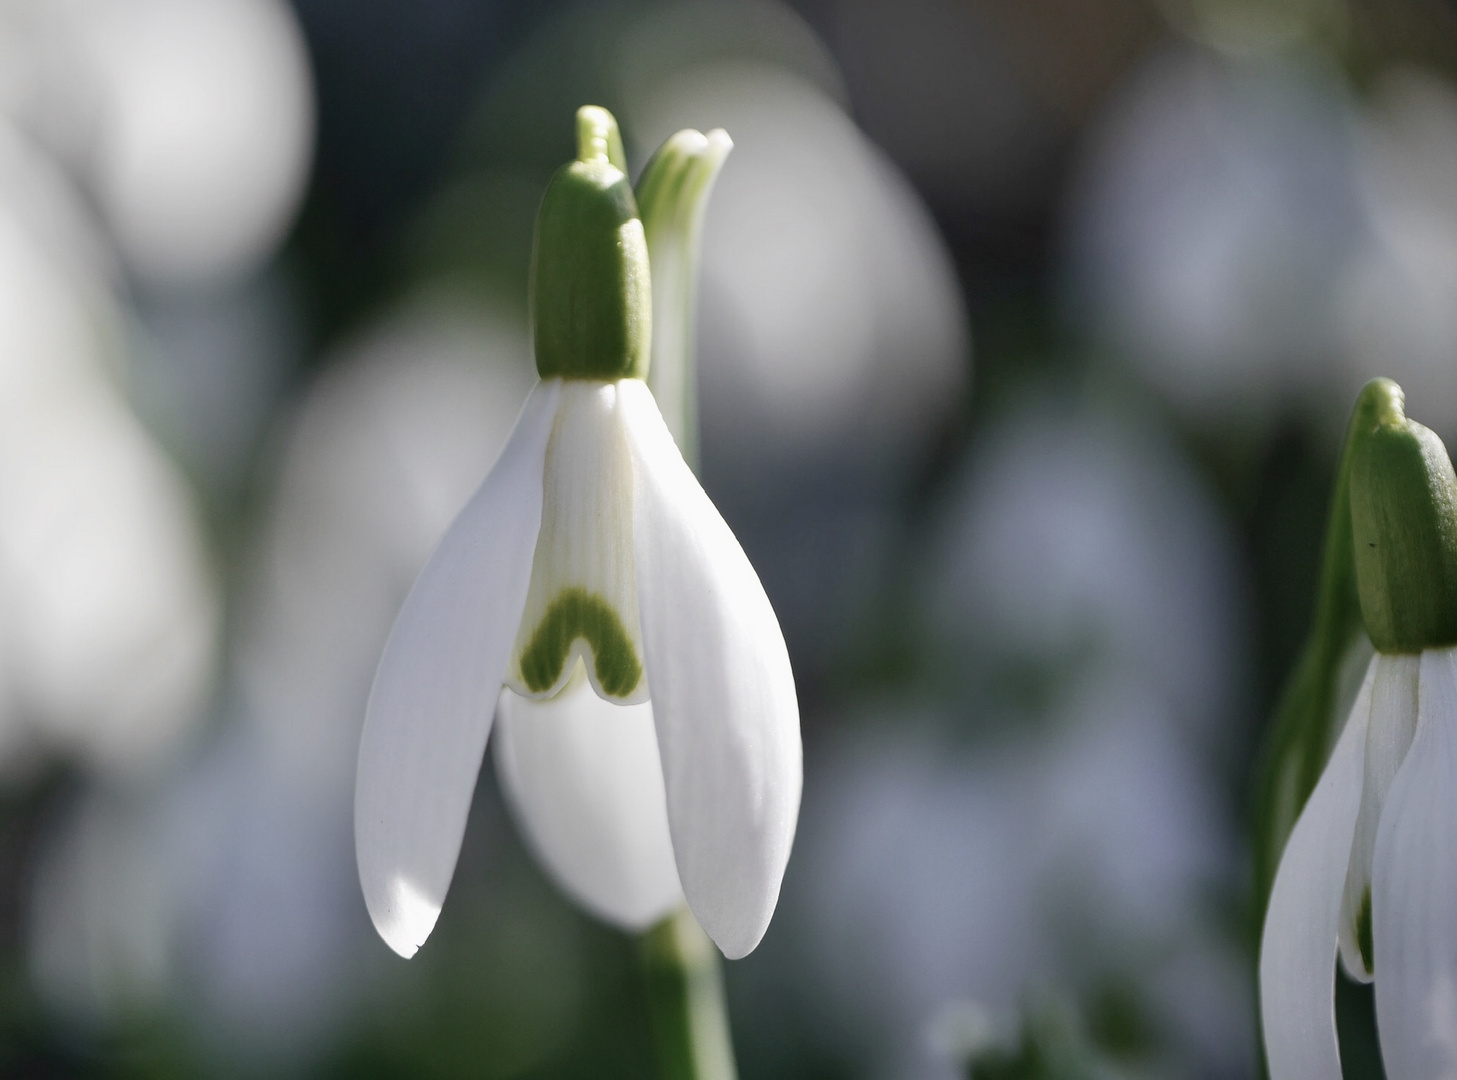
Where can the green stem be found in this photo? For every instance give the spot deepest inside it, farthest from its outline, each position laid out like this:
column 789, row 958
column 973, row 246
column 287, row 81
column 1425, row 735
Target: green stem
column 1312, row 707
column 684, row 981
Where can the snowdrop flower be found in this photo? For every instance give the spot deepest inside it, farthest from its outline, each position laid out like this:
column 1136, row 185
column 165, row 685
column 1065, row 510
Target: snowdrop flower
column 190, row 126
column 108, row 640
column 1369, row 869
column 591, row 587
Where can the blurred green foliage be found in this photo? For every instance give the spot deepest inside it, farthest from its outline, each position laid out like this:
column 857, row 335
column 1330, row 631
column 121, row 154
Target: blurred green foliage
column 1052, row 1045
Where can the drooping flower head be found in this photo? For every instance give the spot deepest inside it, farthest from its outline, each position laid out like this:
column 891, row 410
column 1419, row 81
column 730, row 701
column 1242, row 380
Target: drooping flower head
column 1370, row 869
column 652, row 746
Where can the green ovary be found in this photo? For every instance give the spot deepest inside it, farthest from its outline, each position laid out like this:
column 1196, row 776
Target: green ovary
column 576, row 613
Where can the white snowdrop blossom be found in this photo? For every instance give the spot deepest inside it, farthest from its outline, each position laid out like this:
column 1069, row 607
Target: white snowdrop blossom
column 1369, row 870
column 649, row 738
column 1371, row 865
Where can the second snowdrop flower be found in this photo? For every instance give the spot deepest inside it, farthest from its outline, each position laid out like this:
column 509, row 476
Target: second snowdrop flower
column 591, row 586
column 1370, row 868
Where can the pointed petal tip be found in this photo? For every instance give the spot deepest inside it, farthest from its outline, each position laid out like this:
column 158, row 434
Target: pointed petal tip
column 736, row 923
column 737, row 946
column 402, row 949
column 405, row 919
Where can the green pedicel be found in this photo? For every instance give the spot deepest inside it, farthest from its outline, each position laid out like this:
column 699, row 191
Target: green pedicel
column 576, row 613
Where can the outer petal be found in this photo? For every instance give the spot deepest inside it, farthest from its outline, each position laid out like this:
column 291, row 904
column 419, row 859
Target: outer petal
column 722, row 692
column 1414, row 883
column 1298, row 949
column 436, row 688
column 583, row 780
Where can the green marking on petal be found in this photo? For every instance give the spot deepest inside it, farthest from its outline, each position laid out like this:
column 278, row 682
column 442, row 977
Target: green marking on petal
column 1363, row 929
column 576, row 613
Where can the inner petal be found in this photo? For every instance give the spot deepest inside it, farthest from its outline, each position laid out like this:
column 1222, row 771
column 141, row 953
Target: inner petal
column 1388, row 737
column 584, row 781
column 582, row 600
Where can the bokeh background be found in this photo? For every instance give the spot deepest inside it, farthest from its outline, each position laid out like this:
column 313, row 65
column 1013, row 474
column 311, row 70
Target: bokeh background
column 1028, row 331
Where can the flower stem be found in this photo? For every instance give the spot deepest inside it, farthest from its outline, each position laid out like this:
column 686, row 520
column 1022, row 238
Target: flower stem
column 1313, row 705
column 684, row 981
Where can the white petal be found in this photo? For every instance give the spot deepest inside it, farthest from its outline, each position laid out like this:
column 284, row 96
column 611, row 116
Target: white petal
column 1298, row 949
column 583, row 780
column 1388, row 737
column 435, row 691
column 1414, row 891
column 722, row 692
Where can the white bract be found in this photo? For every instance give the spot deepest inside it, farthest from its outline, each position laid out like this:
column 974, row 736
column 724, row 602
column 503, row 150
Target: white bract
column 1370, row 872
column 649, row 740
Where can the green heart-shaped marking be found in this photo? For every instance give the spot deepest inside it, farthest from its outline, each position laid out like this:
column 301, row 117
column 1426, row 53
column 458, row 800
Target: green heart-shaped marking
column 576, row 613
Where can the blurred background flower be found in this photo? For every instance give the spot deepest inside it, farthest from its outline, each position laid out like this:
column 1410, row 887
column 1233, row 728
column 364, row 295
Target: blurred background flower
column 263, row 329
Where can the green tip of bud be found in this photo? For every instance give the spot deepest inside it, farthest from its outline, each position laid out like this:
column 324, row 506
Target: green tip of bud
column 591, row 291
column 598, row 138
column 1385, row 402
column 1404, row 525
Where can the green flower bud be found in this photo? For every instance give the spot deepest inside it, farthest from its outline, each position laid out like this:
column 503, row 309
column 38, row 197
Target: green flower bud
column 1404, row 526
column 591, row 290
